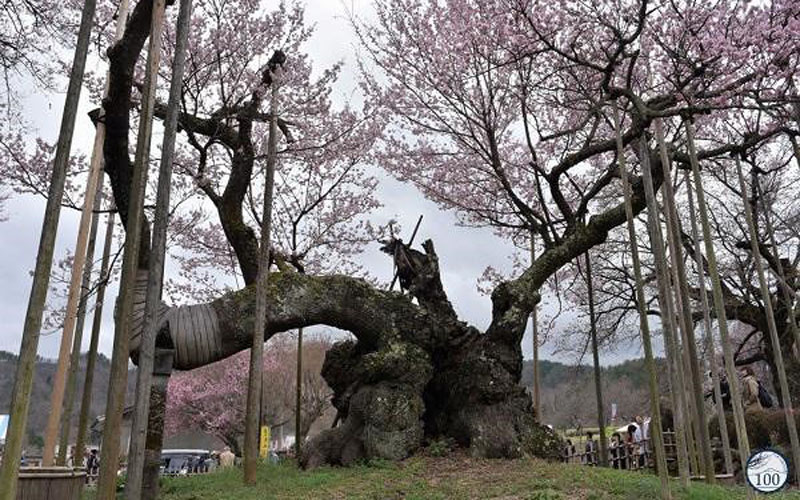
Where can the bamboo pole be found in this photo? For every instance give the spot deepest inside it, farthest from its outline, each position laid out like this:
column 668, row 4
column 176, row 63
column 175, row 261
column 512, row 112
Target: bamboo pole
column 23, row 379
column 75, row 357
column 708, row 332
column 656, row 431
column 703, row 440
column 598, row 383
column 155, row 274
column 109, row 463
column 719, row 301
column 535, row 333
column 674, row 359
column 257, row 350
column 298, row 437
column 772, row 327
column 91, row 356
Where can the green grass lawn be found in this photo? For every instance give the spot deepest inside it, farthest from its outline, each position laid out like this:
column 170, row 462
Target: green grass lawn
column 455, row 476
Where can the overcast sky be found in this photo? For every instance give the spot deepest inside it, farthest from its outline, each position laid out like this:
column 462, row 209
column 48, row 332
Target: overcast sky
column 463, row 252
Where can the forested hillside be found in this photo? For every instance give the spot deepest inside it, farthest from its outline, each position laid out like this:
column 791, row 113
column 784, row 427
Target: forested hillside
column 42, row 386
column 568, row 397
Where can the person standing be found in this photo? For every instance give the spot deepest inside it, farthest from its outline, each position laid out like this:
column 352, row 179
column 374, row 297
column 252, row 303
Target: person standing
column 750, row 390
column 226, row 458
column 590, row 455
column 615, row 450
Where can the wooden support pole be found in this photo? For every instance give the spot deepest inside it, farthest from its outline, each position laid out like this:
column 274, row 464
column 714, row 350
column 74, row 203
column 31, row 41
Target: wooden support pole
column 155, row 274
column 23, row 379
column 162, row 369
column 298, row 416
column 93, row 200
column 75, row 357
column 73, row 297
column 91, row 356
column 690, row 418
column 115, row 402
column 711, row 351
column 674, row 359
column 537, row 402
column 251, row 435
column 656, row 431
column 786, row 397
column 598, row 383
column 703, row 440
column 719, row 301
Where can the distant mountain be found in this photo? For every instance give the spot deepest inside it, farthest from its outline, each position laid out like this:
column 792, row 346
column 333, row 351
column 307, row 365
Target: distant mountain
column 43, row 386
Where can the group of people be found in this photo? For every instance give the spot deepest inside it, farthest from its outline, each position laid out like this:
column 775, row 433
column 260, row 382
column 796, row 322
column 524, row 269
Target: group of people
column 625, row 452
column 755, row 396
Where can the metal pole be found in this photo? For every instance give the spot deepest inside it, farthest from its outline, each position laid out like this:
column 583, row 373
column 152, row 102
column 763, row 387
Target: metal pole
column 155, row 274
column 656, row 432
column 23, row 380
column 109, row 462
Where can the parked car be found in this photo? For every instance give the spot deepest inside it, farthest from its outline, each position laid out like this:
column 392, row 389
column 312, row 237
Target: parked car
column 186, row 461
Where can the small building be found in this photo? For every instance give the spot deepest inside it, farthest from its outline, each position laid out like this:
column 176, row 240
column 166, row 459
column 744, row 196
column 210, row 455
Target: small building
column 96, row 430
column 189, row 440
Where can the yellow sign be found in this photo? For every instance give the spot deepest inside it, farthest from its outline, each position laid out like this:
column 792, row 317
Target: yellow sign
column 263, row 446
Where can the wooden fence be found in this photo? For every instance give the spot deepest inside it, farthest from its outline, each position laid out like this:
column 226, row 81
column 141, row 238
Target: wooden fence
column 624, row 455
